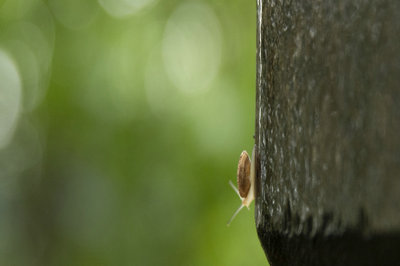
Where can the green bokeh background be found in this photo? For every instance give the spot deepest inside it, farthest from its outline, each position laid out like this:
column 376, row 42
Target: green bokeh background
column 131, row 120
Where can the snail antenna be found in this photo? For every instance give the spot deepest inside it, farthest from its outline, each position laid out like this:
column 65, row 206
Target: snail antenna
column 235, row 189
column 234, row 215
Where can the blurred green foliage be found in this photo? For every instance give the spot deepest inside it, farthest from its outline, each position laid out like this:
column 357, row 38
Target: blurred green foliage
column 122, row 122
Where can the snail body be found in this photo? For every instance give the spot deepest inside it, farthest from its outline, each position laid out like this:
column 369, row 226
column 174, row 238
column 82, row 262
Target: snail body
column 245, row 180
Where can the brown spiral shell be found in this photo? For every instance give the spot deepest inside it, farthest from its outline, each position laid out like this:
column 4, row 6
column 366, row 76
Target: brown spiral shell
column 243, row 174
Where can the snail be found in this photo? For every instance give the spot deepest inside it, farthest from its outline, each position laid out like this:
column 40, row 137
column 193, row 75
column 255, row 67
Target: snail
column 245, row 180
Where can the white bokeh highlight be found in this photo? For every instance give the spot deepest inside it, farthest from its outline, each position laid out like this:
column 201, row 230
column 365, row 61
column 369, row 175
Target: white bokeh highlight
column 74, row 14
column 10, row 98
column 31, row 47
column 192, row 47
column 124, row 8
column 30, row 73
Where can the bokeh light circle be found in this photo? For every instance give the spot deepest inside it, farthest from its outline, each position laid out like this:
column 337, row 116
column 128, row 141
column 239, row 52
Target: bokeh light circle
column 74, row 14
column 10, row 97
column 32, row 49
column 192, row 47
column 124, row 8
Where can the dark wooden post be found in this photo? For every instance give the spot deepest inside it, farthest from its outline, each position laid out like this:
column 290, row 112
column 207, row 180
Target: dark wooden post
column 328, row 132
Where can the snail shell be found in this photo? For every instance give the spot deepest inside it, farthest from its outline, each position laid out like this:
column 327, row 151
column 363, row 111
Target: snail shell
column 243, row 174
